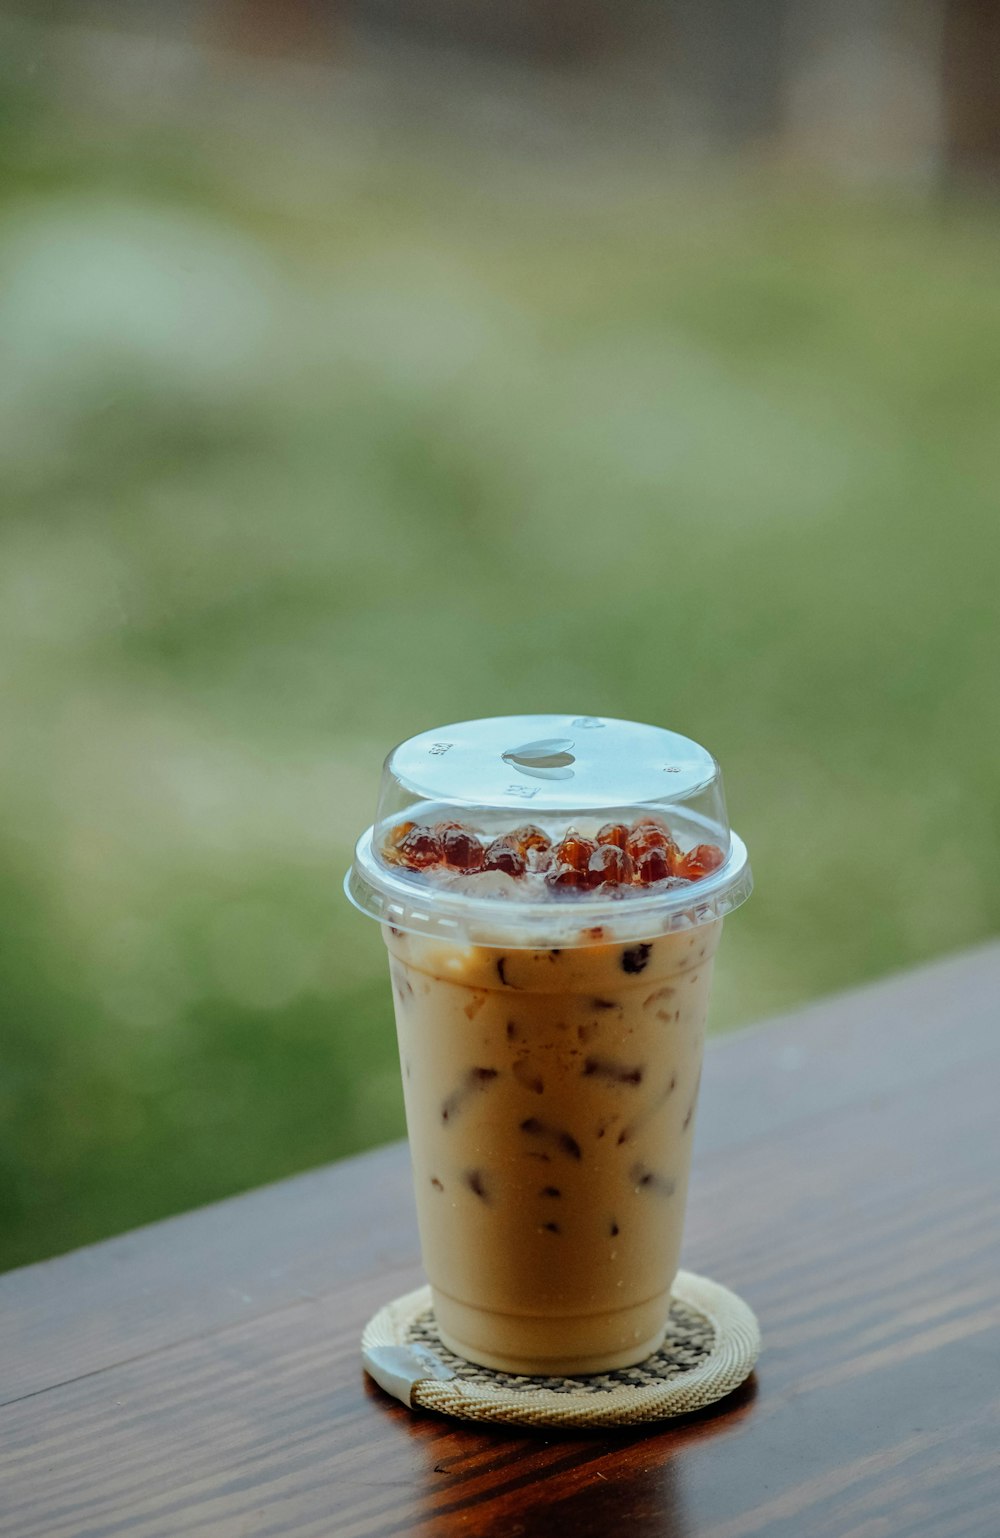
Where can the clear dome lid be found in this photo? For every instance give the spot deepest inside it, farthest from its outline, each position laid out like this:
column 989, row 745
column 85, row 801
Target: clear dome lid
column 528, row 830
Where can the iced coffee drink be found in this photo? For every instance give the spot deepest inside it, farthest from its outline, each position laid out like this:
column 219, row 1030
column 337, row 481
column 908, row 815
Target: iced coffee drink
column 551, row 982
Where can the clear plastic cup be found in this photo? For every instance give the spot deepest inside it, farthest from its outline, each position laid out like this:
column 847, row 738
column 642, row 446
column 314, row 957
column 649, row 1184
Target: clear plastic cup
column 550, row 1014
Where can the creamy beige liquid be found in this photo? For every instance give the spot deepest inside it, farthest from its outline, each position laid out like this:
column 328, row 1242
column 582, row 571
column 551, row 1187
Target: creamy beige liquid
column 550, row 1100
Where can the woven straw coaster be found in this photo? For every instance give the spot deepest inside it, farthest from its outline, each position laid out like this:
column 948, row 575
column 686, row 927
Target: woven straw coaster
column 711, row 1345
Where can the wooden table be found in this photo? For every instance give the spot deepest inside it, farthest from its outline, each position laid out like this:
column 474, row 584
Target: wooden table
column 202, row 1376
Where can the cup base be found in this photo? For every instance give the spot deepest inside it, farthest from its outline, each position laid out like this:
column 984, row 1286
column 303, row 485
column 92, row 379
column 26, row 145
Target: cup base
column 553, row 1345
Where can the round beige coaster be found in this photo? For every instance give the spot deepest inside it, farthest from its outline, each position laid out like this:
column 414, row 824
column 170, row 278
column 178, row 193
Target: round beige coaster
column 711, row 1345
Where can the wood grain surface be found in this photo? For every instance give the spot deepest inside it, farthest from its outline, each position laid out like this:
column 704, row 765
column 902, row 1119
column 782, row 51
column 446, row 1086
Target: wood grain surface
column 202, row 1376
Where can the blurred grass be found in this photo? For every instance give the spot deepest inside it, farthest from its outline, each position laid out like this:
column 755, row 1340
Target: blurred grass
column 305, row 452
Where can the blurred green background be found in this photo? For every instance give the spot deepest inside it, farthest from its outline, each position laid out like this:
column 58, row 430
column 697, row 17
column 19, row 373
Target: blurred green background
column 332, row 409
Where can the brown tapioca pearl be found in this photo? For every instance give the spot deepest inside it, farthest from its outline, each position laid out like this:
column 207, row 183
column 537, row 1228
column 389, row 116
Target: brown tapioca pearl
column 565, row 878
column 512, row 1031
column 586, row 1032
column 651, row 866
column 420, row 848
column 615, row 833
column 528, row 836
column 654, row 998
column 461, row 850
column 614, row 1230
column 435, row 1182
column 504, row 855
column 393, row 839
column 550, row 1191
column 700, row 861
column 604, row 1004
column 611, row 864
column 474, row 1005
column 649, row 831
column 550, row 1228
column 646, row 841
column 574, row 850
